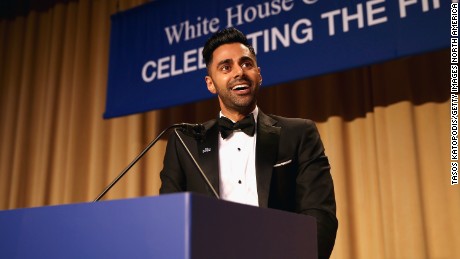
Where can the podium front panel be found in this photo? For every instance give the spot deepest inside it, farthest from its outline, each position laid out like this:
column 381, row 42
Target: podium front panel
column 182, row 225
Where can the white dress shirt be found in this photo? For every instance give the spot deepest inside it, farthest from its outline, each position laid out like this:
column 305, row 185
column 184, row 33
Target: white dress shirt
column 237, row 167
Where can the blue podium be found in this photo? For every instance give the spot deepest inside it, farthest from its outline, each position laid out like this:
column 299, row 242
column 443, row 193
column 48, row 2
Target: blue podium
column 182, row 225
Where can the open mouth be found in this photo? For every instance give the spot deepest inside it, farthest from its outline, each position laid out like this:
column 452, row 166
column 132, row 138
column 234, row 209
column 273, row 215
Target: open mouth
column 241, row 87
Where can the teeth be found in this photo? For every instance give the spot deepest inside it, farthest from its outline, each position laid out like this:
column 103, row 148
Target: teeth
column 240, row 87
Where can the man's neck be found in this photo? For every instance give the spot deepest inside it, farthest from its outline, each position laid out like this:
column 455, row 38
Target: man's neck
column 236, row 116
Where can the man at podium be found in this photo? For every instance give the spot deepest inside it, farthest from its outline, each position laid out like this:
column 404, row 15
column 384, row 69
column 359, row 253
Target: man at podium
column 247, row 156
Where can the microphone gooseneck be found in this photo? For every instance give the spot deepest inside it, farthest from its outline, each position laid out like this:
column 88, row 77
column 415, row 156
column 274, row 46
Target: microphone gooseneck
column 198, row 167
column 193, row 130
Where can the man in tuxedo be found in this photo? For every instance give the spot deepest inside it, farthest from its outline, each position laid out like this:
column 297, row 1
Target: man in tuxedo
column 250, row 157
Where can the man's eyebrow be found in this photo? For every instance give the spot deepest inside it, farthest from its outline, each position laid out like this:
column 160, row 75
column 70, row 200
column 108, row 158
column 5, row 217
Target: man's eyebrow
column 246, row 58
column 225, row 61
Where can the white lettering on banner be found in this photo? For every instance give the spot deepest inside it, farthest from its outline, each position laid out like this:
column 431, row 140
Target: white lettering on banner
column 163, row 65
column 166, row 66
column 300, row 33
column 358, row 16
column 238, row 15
column 190, row 58
column 189, row 31
column 365, row 13
column 310, row 1
column 425, row 5
column 371, row 11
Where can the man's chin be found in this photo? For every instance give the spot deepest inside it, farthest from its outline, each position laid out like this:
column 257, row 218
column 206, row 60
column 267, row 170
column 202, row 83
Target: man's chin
column 245, row 107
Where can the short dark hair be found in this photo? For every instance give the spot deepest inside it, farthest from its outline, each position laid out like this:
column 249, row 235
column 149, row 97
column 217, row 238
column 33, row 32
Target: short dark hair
column 224, row 36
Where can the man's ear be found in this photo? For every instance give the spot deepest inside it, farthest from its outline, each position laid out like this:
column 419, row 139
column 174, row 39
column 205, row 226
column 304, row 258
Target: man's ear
column 210, row 84
column 260, row 77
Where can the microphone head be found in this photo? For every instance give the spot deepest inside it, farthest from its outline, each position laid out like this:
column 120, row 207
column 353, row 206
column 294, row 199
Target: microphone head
column 196, row 131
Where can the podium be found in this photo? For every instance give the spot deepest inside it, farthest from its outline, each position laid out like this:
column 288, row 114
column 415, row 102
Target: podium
column 182, row 225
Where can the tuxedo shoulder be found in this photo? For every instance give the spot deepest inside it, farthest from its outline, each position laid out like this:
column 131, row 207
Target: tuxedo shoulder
column 209, row 124
column 293, row 122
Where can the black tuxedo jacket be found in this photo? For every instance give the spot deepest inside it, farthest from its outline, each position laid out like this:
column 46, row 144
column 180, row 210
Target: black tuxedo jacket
column 292, row 171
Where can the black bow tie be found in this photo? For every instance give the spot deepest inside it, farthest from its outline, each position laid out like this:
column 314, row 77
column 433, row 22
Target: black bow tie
column 226, row 126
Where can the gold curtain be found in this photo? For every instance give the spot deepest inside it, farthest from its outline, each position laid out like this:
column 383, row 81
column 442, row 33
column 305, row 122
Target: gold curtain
column 385, row 128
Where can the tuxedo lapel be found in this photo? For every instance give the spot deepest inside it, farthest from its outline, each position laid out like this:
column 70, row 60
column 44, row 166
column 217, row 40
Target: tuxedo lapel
column 208, row 153
column 266, row 155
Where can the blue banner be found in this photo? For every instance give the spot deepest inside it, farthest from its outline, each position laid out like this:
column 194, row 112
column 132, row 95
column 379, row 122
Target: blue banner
column 155, row 49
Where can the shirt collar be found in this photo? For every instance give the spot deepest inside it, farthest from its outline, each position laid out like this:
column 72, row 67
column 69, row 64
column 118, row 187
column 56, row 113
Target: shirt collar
column 255, row 113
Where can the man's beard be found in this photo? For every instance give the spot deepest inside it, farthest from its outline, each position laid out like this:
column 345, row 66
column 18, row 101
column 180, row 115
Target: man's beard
column 242, row 104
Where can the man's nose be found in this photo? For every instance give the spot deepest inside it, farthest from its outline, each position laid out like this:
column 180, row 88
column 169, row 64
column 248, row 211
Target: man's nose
column 239, row 71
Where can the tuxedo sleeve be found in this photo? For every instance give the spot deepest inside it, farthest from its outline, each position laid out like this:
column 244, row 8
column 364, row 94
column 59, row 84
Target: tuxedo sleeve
column 315, row 189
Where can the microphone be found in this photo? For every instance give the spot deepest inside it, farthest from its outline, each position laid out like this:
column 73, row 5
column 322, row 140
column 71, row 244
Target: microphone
column 193, row 130
column 200, row 128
